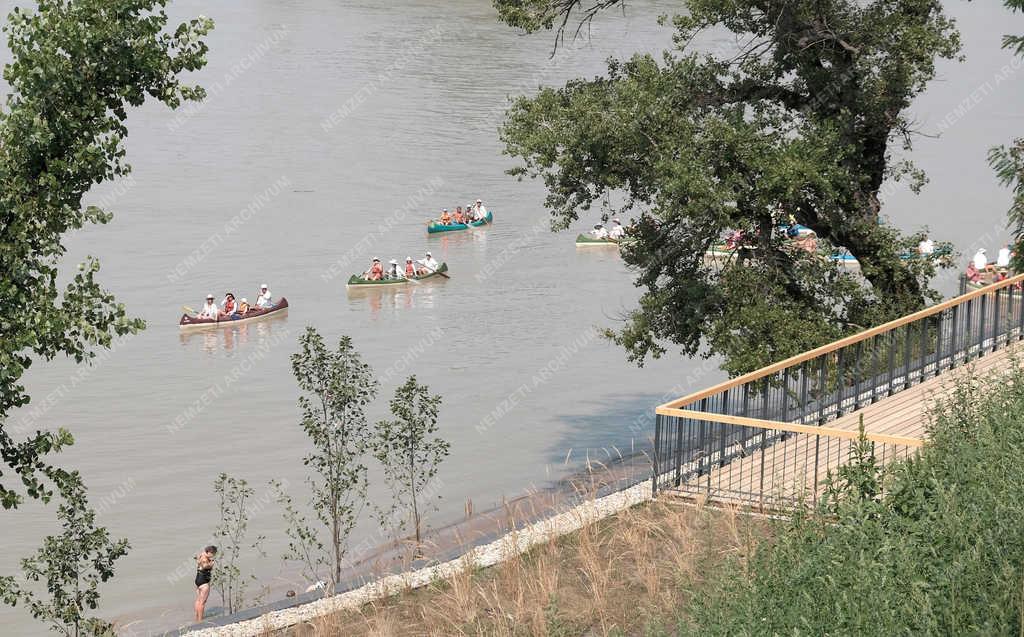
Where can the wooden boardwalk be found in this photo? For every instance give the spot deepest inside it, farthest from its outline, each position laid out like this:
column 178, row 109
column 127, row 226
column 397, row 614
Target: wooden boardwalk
column 796, row 466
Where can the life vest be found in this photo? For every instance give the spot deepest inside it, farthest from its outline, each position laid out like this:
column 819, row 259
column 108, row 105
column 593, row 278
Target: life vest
column 409, row 269
column 376, row 270
column 446, row 219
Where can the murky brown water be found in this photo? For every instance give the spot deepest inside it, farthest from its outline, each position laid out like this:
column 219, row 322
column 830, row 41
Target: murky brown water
column 332, row 130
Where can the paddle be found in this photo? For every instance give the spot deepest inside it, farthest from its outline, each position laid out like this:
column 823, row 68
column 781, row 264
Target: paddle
column 433, row 271
column 189, row 310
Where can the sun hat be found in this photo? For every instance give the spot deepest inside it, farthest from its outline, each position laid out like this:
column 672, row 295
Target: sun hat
column 408, row 259
column 392, row 262
column 209, row 297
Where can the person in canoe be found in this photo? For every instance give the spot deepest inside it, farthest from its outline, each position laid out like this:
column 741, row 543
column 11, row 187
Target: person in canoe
column 470, row 213
column 228, row 305
column 479, row 209
column 376, row 271
column 428, row 265
column 393, row 271
column 243, row 307
column 599, row 231
column 459, row 217
column 617, row 232
column 209, row 310
column 446, row 219
column 410, row 269
column 264, row 300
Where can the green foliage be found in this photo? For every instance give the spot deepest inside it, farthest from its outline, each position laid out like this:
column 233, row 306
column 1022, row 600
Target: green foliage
column 72, row 565
column 801, row 120
column 927, row 546
column 304, row 545
column 77, row 65
column 234, row 495
column 409, row 450
column 337, row 386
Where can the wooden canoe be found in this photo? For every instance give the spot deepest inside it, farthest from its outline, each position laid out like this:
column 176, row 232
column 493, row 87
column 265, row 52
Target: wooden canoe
column 357, row 281
column 586, row 241
column 254, row 314
column 434, row 228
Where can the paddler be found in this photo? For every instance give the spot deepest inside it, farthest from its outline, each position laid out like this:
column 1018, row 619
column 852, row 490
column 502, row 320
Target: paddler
column 479, row 209
column 471, row 213
column 446, row 219
column 393, row 272
column 376, row 271
column 264, row 299
column 617, row 232
column 599, row 231
column 428, row 265
column 458, row 215
column 243, row 307
column 209, row 310
column 410, row 269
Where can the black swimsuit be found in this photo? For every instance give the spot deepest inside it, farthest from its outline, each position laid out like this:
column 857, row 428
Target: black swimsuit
column 203, row 576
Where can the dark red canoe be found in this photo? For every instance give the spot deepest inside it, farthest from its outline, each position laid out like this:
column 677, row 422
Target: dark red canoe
column 254, row 314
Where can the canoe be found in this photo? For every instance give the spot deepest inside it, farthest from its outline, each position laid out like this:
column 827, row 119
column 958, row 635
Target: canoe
column 357, row 281
column 434, row 228
column 583, row 240
column 254, row 314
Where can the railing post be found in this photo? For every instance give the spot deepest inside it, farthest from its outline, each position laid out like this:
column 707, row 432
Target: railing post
column 657, row 452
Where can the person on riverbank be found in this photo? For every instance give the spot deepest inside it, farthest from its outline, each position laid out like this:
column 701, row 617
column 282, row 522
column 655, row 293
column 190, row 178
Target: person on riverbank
column 204, row 573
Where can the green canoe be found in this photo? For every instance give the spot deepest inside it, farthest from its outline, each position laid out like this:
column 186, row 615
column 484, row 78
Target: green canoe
column 584, row 240
column 433, row 227
column 357, row 281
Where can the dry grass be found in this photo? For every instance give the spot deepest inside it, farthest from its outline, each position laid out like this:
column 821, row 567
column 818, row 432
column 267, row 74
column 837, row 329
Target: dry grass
column 625, row 575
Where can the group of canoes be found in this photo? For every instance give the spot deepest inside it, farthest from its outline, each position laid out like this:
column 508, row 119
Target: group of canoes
column 232, row 311
column 981, row 271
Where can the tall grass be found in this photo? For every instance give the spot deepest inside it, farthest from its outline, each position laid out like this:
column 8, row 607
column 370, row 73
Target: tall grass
column 624, row 575
column 938, row 550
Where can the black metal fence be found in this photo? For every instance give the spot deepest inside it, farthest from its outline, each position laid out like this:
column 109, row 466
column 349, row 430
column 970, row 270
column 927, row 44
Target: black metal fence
column 763, row 437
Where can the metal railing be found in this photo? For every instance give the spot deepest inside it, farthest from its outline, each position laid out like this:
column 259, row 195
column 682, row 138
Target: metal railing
column 762, row 438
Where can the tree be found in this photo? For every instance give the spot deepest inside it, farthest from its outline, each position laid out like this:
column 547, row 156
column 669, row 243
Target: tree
column 799, row 120
column 77, row 65
column 234, row 495
column 72, row 565
column 336, row 388
column 1008, row 162
column 408, row 450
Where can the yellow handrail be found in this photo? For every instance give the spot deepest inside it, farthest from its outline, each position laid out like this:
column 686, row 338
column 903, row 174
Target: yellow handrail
column 836, row 345
column 776, row 425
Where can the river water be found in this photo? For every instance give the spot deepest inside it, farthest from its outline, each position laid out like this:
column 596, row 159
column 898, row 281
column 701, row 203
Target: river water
column 332, row 130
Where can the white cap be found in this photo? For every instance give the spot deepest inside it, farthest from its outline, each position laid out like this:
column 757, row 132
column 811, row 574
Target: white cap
column 615, row 220
column 209, row 297
column 393, row 262
column 263, row 287
column 428, row 254
column 408, row 258
column 479, row 200
column 444, row 210
column 376, row 258
column 245, row 300
column 982, row 250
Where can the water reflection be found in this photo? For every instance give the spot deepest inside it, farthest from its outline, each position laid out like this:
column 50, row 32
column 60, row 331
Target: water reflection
column 396, row 297
column 229, row 337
